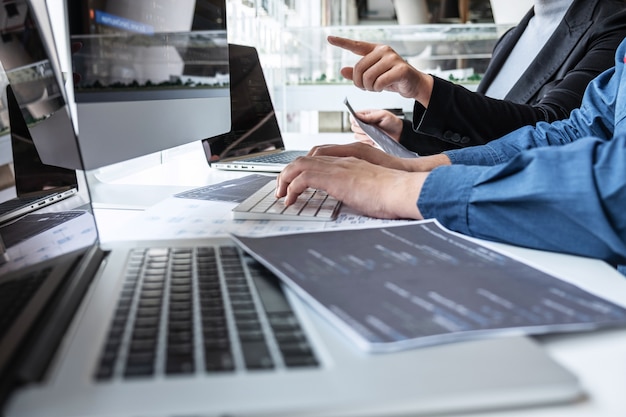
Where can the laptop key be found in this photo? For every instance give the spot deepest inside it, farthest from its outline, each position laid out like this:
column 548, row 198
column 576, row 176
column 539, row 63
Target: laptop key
column 251, row 336
column 301, row 361
column 256, row 355
column 218, row 360
column 180, row 357
column 180, row 365
column 105, row 371
column 143, row 370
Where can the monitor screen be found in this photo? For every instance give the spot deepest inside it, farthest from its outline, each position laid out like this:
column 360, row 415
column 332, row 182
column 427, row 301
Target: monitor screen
column 148, row 75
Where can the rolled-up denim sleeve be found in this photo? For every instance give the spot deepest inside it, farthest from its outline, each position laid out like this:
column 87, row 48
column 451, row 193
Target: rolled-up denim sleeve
column 569, row 199
column 446, row 194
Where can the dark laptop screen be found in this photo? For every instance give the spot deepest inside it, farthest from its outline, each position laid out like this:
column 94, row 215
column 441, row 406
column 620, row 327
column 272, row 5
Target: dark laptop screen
column 254, row 126
column 31, row 174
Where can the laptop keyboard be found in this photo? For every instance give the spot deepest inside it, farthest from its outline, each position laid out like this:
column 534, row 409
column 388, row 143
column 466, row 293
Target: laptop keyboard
column 34, row 224
column 14, row 295
column 201, row 310
column 16, row 203
column 311, row 205
column 283, row 157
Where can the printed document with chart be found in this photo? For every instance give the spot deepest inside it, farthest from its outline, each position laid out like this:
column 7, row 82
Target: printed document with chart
column 397, row 287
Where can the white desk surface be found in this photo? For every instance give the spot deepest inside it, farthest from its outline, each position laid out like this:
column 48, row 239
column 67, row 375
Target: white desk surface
column 597, row 358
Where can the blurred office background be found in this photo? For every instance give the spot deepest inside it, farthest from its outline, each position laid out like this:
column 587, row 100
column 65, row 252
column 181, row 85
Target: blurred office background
column 449, row 38
column 452, row 39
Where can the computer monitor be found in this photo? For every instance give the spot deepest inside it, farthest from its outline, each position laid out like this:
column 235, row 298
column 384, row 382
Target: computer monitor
column 148, row 75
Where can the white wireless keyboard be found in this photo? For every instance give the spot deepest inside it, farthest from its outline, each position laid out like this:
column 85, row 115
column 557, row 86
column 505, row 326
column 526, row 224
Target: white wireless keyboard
column 311, row 205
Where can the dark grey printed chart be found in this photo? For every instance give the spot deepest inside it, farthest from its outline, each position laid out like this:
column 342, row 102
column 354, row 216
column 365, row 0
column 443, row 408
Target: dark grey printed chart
column 400, row 287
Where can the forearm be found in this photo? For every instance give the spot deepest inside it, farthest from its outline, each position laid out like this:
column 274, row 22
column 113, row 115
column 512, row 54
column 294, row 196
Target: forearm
column 426, row 163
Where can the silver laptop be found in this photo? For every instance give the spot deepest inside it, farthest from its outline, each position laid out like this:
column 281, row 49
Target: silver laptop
column 254, row 142
column 37, row 185
column 198, row 328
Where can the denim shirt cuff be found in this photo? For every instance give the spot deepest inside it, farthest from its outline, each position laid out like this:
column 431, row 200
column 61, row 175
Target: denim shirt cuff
column 451, row 208
column 475, row 155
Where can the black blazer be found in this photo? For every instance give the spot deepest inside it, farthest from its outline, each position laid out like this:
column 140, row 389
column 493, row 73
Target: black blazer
column 582, row 46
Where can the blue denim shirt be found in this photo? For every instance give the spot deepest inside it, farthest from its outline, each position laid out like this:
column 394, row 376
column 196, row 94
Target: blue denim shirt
column 556, row 186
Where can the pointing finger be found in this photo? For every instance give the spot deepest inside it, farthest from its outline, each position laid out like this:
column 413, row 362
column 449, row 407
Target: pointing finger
column 358, row 47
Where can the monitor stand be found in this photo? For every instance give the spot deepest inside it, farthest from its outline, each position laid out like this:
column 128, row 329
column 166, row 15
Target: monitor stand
column 106, row 195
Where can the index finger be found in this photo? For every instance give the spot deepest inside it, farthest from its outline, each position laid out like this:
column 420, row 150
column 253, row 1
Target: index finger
column 358, row 47
column 284, row 181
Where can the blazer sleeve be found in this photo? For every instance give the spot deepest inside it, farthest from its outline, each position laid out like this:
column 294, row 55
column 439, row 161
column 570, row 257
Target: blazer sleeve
column 457, row 117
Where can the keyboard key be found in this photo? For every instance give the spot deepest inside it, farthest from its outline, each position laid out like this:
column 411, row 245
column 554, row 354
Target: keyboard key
column 180, row 365
column 218, row 360
column 256, row 355
column 143, row 370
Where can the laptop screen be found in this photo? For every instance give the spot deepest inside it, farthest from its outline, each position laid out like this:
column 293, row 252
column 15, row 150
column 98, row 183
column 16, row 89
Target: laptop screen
column 254, row 126
column 40, row 237
column 31, row 174
column 34, row 98
column 31, row 100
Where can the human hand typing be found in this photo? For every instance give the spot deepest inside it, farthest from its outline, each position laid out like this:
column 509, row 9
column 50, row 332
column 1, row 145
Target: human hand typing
column 374, row 190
